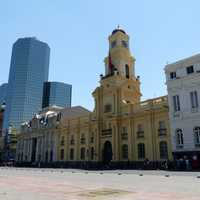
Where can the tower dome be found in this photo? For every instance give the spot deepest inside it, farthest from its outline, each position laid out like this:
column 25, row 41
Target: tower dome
column 118, row 30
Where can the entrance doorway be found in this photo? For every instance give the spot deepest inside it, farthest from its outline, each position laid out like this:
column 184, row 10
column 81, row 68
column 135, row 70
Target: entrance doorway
column 107, row 152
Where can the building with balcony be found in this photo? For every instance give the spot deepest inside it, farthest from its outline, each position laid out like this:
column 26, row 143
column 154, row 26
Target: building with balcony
column 121, row 130
column 183, row 84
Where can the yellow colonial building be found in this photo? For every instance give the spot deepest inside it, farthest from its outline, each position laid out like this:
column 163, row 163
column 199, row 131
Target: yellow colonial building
column 122, row 129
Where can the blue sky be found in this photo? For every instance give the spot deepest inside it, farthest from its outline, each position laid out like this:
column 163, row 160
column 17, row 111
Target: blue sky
column 77, row 31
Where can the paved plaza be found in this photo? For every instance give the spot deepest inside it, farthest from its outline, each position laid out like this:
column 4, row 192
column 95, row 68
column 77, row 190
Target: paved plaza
column 68, row 184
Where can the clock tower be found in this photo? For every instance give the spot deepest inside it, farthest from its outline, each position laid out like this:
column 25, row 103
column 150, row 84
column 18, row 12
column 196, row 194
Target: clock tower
column 119, row 86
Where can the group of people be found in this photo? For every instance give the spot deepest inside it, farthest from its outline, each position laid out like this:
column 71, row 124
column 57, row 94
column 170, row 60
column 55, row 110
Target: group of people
column 186, row 163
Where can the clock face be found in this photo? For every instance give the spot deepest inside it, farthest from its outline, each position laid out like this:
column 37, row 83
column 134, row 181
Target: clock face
column 124, row 44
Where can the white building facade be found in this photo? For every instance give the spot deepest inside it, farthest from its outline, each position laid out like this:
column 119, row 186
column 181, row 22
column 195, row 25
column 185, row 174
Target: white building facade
column 183, row 85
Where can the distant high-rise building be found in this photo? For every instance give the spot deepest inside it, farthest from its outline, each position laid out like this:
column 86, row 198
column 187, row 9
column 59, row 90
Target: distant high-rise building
column 57, row 93
column 3, row 91
column 29, row 70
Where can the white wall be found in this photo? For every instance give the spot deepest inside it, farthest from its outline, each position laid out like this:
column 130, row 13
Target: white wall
column 186, row 119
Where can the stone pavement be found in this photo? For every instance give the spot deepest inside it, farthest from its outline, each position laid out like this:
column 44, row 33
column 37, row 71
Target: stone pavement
column 68, row 184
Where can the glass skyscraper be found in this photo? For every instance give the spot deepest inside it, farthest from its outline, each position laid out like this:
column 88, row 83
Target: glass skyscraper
column 29, row 70
column 3, row 92
column 57, row 94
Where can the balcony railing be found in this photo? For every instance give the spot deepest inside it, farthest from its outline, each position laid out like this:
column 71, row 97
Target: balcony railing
column 140, row 134
column 107, row 132
column 162, row 131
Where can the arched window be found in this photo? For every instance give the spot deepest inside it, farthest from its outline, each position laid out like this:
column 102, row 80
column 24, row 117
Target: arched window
column 92, row 153
column 82, row 153
column 141, row 151
column 163, row 150
column 127, row 71
column 179, row 137
column 125, row 151
column 197, row 135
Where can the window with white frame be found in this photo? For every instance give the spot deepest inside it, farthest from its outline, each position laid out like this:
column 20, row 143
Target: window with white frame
column 179, row 137
column 194, row 99
column 197, row 135
column 176, row 103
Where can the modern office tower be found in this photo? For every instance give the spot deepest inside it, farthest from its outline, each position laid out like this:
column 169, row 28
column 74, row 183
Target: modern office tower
column 183, row 84
column 3, row 91
column 57, row 94
column 29, row 70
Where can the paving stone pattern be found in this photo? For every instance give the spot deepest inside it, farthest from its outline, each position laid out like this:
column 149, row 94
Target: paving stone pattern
column 68, row 184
